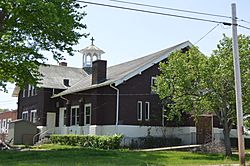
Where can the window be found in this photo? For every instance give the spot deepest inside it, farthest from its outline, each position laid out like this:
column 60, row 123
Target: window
column 153, row 79
column 139, row 110
column 65, row 117
column 147, row 110
column 33, row 116
column 4, row 126
column 31, row 90
column 87, row 114
column 24, row 91
column 8, row 124
column 74, row 116
column 25, row 115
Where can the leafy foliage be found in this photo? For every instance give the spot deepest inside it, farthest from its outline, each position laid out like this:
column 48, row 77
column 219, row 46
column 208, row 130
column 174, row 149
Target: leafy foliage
column 191, row 82
column 180, row 83
column 28, row 27
column 93, row 141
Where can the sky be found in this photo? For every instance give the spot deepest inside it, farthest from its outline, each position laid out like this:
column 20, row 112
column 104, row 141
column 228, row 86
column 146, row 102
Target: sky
column 125, row 35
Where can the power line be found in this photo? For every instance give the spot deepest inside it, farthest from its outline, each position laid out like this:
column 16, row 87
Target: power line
column 153, row 12
column 179, row 10
column 173, row 9
column 244, row 27
column 245, row 21
column 206, row 34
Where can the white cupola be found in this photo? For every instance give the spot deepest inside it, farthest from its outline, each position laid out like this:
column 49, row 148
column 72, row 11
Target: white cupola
column 90, row 54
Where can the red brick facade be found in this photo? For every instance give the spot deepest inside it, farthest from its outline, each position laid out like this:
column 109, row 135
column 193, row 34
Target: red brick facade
column 5, row 118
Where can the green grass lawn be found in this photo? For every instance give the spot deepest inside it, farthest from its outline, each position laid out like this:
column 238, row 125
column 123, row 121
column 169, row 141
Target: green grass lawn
column 68, row 155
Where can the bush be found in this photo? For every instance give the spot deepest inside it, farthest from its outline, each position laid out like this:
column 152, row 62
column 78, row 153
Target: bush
column 234, row 142
column 153, row 142
column 101, row 142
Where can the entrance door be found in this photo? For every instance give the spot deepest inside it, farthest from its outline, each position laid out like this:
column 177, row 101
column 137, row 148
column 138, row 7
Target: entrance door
column 204, row 128
column 62, row 116
column 51, row 120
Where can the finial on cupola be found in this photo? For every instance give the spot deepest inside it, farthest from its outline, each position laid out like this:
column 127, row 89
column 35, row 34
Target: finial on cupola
column 92, row 41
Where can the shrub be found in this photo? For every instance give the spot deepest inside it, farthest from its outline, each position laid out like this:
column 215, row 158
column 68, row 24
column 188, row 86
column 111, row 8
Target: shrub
column 102, row 142
column 234, row 142
column 153, row 142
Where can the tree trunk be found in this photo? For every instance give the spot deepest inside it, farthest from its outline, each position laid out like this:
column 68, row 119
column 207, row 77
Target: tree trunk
column 1, row 19
column 227, row 142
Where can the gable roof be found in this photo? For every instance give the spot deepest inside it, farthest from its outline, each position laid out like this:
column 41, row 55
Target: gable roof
column 119, row 73
column 53, row 76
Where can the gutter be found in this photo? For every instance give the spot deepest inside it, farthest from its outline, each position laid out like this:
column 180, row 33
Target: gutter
column 117, row 104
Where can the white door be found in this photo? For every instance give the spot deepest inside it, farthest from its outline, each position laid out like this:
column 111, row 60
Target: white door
column 51, row 120
column 61, row 116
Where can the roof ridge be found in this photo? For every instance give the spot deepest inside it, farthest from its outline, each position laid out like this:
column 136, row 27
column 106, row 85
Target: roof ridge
column 151, row 54
column 60, row 66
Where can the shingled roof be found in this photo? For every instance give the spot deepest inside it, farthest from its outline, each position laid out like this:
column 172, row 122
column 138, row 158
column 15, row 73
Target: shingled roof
column 119, row 73
column 53, row 76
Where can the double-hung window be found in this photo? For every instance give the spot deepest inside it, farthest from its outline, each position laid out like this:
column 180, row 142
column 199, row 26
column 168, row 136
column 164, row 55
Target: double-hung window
column 153, row 79
column 25, row 115
column 65, row 117
column 147, row 110
column 139, row 110
column 33, row 116
column 74, row 116
column 24, row 91
column 8, row 124
column 87, row 114
column 4, row 126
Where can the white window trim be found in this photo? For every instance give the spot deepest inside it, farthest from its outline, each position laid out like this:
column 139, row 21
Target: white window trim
column 85, row 106
column 25, row 112
column 24, row 91
column 32, row 90
column 139, row 109
column 152, row 83
column 4, row 125
column 32, row 111
column 62, row 110
column 8, row 124
column 147, row 104
column 29, row 90
column 72, row 107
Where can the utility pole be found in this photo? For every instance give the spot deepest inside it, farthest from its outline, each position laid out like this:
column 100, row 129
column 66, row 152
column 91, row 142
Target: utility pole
column 240, row 129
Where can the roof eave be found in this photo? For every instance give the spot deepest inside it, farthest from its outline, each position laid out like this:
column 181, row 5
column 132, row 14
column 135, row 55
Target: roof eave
column 150, row 64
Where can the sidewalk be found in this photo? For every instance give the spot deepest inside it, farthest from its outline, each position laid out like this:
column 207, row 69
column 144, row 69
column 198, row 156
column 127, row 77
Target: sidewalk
column 169, row 148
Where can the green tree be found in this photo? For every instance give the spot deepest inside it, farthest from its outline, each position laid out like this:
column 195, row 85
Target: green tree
column 198, row 84
column 28, row 27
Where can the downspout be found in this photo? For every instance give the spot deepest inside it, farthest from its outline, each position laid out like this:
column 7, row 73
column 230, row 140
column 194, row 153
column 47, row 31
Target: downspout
column 67, row 100
column 117, row 106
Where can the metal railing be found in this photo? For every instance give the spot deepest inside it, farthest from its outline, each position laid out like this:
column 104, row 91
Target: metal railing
column 40, row 134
